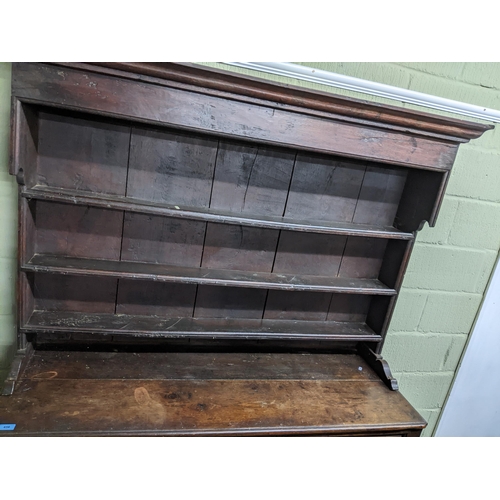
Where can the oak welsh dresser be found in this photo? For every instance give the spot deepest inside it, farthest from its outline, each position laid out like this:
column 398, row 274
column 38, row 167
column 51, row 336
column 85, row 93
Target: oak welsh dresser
column 202, row 253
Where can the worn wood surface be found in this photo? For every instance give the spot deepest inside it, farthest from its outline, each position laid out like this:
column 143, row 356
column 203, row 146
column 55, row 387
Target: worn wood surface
column 82, row 154
column 73, row 393
column 189, row 210
column 189, row 275
column 139, row 101
column 211, row 80
column 219, row 216
column 77, row 231
column 63, row 321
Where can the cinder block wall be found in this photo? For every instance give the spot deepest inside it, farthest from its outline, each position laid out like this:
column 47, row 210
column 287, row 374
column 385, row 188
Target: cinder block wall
column 450, row 265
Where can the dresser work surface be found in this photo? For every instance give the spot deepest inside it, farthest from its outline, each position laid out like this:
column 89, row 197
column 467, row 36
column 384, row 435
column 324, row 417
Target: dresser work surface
column 154, row 394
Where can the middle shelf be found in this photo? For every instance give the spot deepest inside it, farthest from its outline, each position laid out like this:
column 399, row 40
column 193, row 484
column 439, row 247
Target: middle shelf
column 57, row 264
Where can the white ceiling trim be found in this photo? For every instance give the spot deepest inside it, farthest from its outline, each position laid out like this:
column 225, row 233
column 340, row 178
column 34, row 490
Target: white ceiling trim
column 372, row 88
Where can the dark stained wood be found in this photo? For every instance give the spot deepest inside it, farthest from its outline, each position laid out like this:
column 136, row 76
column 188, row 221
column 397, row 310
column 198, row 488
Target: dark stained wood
column 74, row 293
column 324, row 189
column 297, row 305
column 421, row 200
column 218, row 302
column 78, row 231
column 239, row 248
column 23, row 142
column 222, row 217
column 247, row 180
column 205, row 254
column 92, row 340
column 120, row 98
column 313, row 254
column 195, row 394
column 19, row 364
column 251, row 180
column 162, row 240
column 173, row 168
column 248, row 88
column 93, row 365
column 380, row 195
column 393, row 270
column 321, row 189
column 82, row 154
column 379, row 366
column 156, row 326
column 378, row 201
column 205, row 407
column 189, row 275
column 362, row 258
column 26, row 250
column 156, row 298
column 347, row 307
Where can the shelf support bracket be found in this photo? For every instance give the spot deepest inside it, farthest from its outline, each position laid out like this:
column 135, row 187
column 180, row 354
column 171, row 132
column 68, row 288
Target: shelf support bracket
column 379, row 365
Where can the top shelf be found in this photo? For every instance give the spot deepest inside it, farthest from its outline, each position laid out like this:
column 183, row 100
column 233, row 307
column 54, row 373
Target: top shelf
column 210, row 215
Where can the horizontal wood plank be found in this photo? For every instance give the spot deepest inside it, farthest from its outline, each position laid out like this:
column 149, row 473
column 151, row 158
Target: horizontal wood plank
column 216, row 328
column 225, row 116
column 113, row 365
column 56, row 264
column 211, row 215
column 249, row 88
column 63, row 394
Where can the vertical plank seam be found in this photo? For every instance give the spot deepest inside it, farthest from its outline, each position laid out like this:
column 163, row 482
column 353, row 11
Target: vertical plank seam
column 347, row 237
column 279, row 234
column 123, row 218
column 206, row 224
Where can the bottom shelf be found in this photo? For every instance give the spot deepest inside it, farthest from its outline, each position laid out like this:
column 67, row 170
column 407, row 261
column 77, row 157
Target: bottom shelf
column 217, row 328
column 184, row 394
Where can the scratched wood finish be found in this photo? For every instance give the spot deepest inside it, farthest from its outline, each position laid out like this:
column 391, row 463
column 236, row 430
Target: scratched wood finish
column 190, row 275
column 174, row 168
column 63, row 321
column 26, row 250
column 213, row 81
column 191, row 234
column 72, row 393
column 82, row 153
column 211, row 215
column 196, row 365
column 160, row 241
column 188, row 109
column 247, row 180
column 24, row 142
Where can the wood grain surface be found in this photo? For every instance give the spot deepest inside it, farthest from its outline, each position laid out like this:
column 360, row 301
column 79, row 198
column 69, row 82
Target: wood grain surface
column 73, row 393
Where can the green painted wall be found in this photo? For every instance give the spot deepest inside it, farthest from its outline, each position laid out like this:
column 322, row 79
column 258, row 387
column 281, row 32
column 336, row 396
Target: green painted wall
column 450, row 265
column 8, row 230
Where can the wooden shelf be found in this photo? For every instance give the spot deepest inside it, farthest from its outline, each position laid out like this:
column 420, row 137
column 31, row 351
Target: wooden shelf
column 216, row 328
column 210, row 215
column 55, row 264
